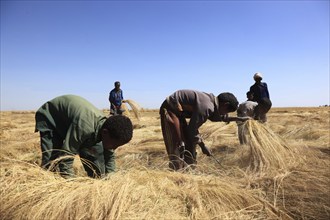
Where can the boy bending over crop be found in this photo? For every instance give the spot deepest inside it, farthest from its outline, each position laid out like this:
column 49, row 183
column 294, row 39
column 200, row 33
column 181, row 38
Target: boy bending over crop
column 71, row 125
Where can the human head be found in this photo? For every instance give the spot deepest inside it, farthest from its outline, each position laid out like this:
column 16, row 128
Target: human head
column 249, row 95
column 117, row 84
column 117, row 130
column 257, row 77
column 227, row 103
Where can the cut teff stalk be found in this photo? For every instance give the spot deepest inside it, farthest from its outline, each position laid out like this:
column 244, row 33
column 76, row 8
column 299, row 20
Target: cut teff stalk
column 266, row 149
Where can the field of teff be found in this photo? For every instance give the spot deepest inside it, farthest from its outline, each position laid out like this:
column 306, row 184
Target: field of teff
column 281, row 173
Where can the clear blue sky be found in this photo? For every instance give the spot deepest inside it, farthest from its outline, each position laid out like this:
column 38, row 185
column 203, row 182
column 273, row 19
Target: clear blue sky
column 51, row 48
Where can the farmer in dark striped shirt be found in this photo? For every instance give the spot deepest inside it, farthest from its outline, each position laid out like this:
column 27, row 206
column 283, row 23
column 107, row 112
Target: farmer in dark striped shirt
column 261, row 96
column 181, row 137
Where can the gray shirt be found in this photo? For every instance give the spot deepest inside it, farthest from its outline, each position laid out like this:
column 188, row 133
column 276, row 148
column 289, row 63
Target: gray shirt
column 198, row 106
column 246, row 109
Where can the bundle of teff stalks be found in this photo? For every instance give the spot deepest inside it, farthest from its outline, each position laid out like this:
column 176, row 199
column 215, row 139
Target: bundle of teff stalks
column 266, row 150
column 28, row 192
column 134, row 106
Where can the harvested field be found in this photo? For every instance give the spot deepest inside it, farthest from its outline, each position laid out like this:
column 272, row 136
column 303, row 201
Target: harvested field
column 282, row 172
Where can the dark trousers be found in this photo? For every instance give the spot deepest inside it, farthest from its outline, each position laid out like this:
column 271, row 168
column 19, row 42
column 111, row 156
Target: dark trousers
column 55, row 159
column 116, row 110
column 262, row 109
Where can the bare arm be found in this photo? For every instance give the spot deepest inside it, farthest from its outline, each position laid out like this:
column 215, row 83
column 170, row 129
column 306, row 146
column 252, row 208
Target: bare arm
column 229, row 119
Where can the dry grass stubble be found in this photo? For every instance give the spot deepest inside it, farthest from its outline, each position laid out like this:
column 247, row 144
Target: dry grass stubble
column 264, row 187
column 34, row 193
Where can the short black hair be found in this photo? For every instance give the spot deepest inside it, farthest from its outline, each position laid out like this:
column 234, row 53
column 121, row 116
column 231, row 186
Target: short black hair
column 120, row 127
column 229, row 98
column 249, row 93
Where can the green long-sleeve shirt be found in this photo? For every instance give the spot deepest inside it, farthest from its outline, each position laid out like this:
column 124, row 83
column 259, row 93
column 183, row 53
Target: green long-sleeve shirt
column 74, row 119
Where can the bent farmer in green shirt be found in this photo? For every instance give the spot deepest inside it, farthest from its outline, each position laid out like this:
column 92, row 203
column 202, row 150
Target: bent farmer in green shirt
column 71, row 125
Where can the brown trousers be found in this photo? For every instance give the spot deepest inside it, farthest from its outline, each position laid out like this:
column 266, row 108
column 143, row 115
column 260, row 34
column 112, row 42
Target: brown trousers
column 174, row 129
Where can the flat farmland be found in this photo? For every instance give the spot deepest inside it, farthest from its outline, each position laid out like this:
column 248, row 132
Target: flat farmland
column 220, row 187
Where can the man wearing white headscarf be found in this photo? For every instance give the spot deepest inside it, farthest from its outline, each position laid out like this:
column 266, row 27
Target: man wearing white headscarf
column 261, row 96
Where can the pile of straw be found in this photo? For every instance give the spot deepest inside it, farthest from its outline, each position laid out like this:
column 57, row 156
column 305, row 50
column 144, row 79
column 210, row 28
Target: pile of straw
column 28, row 192
column 266, row 150
column 266, row 178
column 135, row 107
column 303, row 192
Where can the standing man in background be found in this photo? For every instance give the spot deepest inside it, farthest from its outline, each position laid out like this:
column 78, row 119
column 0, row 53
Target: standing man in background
column 261, row 96
column 116, row 99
